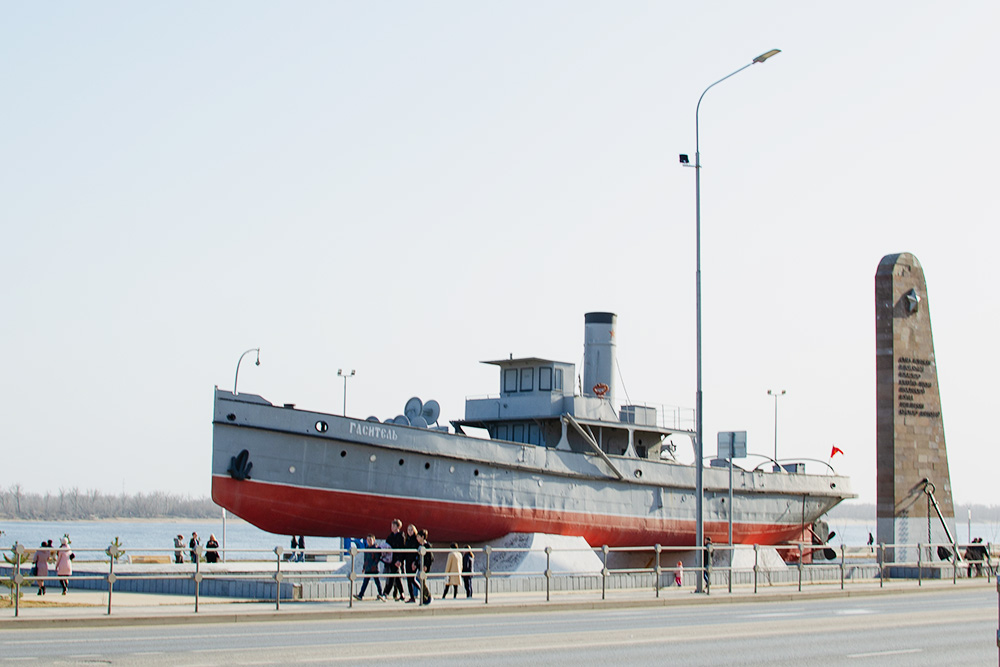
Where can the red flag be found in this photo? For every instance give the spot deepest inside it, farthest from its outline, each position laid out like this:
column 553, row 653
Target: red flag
column 836, row 450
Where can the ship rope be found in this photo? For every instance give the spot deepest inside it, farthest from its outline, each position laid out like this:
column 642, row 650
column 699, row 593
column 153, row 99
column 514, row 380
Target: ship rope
column 621, row 378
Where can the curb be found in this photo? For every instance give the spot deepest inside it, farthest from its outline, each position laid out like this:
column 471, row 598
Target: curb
column 225, row 617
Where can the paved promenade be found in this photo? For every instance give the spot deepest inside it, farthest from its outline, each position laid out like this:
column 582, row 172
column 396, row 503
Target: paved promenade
column 82, row 608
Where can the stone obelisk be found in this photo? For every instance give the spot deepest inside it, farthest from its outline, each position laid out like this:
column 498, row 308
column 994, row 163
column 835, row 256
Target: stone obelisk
column 911, row 454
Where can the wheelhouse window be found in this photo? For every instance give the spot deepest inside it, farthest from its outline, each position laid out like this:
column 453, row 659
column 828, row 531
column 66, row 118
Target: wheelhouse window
column 510, row 379
column 527, row 379
column 501, row 432
column 544, row 379
column 558, row 383
column 518, row 433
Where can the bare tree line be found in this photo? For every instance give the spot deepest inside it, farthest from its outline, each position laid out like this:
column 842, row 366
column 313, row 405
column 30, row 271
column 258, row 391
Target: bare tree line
column 74, row 503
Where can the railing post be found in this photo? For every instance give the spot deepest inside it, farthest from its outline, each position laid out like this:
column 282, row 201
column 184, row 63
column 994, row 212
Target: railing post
column 197, row 576
column 351, row 577
column 920, row 564
column 112, row 556
column 800, row 567
column 15, row 584
column 277, row 577
column 486, row 573
column 755, row 554
column 604, row 572
column 729, row 570
column 841, row 566
column 548, row 571
column 657, row 570
column 422, row 575
column 881, row 564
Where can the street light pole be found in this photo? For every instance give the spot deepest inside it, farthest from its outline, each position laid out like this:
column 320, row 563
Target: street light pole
column 698, row 445
column 341, row 373
column 237, row 378
column 777, row 394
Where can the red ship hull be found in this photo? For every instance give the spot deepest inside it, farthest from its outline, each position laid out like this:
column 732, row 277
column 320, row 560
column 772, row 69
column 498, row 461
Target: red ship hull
column 290, row 510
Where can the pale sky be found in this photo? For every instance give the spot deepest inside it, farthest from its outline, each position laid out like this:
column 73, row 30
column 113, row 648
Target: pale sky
column 407, row 188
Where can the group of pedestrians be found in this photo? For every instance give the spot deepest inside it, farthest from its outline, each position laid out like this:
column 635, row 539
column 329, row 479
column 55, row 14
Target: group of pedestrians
column 211, row 548
column 45, row 555
column 399, row 558
column 977, row 555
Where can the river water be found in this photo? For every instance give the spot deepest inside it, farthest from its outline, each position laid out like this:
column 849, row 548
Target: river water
column 145, row 536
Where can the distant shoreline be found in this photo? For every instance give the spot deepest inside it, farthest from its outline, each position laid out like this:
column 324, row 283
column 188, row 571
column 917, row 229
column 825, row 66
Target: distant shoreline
column 122, row 519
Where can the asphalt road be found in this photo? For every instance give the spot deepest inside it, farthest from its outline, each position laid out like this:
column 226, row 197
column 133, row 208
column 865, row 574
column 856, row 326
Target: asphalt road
column 933, row 628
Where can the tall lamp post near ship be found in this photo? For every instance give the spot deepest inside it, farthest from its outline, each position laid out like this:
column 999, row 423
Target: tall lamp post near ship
column 699, row 442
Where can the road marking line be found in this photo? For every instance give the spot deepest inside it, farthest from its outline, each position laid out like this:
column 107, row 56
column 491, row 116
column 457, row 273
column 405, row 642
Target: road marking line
column 880, row 653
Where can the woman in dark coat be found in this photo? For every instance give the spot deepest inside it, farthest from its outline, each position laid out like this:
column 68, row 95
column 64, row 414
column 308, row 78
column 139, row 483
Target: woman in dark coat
column 212, row 555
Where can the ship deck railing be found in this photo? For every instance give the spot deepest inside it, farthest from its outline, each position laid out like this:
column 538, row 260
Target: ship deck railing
column 668, row 417
column 281, row 574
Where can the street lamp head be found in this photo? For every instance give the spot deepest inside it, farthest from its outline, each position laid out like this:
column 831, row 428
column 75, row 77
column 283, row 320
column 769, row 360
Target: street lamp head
column 340, row 371
column 771, row 392
column 684, row 158
column 764, row 56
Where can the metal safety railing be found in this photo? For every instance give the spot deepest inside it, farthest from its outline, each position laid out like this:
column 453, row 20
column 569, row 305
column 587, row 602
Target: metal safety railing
column 274, row 573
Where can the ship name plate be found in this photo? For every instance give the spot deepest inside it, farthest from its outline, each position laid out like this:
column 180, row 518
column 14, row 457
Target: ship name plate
column 373, row 430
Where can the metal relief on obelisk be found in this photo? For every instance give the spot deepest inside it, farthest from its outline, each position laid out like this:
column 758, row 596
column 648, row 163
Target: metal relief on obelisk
column 912, row 463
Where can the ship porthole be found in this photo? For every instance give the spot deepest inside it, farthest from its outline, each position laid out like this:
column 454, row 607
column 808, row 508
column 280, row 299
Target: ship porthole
column 231, row 417
column 476, row 472
column 372, row 458
column 343, row 453
column 451, row 469
column 638, row 474
column 322, row 426
column 291, row 469
column 400, row 461
column 427, row 466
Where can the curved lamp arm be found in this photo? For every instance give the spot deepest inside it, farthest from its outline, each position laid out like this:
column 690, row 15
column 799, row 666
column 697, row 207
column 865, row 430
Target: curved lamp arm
column 237, row 378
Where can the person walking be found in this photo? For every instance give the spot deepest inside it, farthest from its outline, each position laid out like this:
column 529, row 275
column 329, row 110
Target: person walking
column 706, row 561
column 40, row 569
column 179, row 549
column 468, row 560
column 64, row 564
column 410, row 562
column 424, row 566
column 395, row 540
column 369, row 568
column 193, row 545
column 453, row 568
